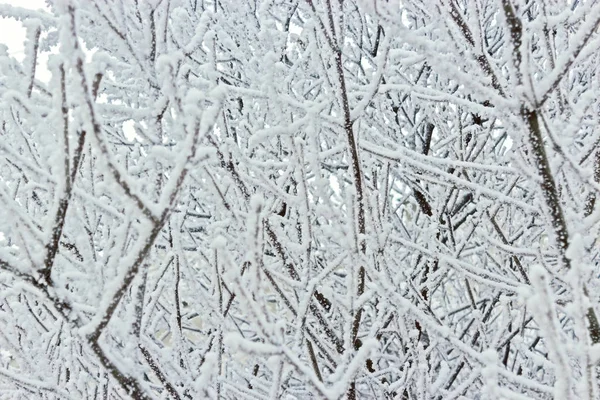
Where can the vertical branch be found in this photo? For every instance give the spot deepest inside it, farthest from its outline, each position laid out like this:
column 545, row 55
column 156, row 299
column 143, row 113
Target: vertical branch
column 153, row 43
column 590, row 201
column 313, row 359
column 220, row 329
column 589, row 208
column 357, row 179
column 139, row 306
column 540, row 159
column 52, row 246
column 82, row 135
column 35, row 40
column 178, row 301
column 516, row 37
column 553, row 206
column 548, row 186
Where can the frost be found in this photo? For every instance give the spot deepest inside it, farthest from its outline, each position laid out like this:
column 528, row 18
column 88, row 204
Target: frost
column 219, row 242
column 576, row 247
column 313, row 199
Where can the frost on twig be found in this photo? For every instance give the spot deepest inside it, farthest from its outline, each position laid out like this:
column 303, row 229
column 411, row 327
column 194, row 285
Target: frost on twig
column 300, row 199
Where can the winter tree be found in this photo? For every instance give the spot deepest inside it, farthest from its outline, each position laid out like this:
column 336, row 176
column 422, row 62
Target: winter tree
column 361, row 199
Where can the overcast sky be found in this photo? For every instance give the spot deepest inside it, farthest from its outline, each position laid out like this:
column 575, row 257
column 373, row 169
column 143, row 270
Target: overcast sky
column 12, row 32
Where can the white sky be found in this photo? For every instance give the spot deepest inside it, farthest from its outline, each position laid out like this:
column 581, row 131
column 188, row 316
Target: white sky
column 12, row 32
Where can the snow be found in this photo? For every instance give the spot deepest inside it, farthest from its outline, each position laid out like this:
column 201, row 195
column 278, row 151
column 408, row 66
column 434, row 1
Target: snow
column 226, row 163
